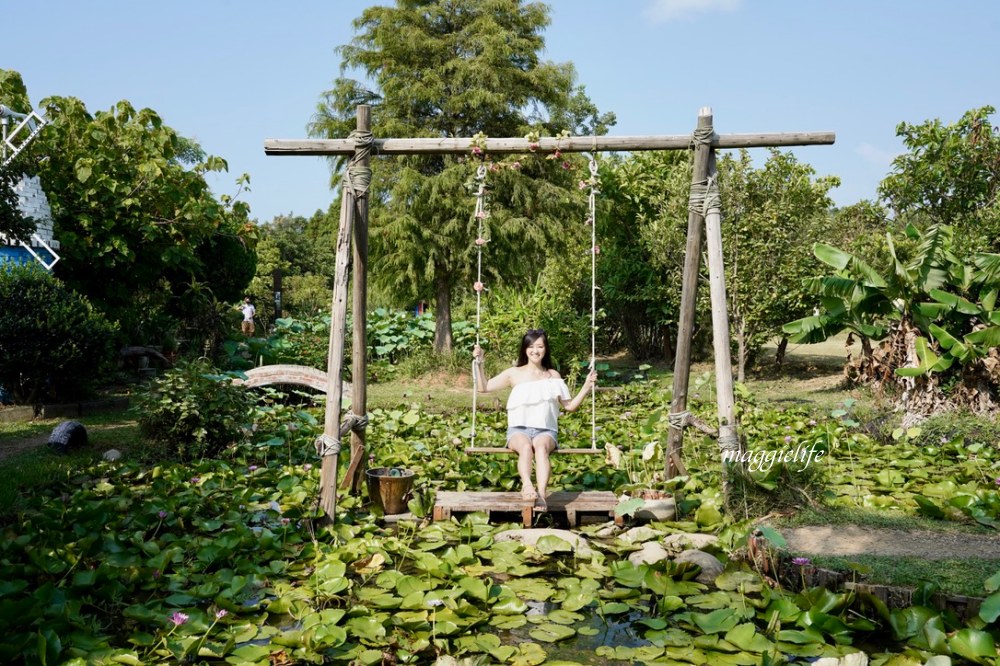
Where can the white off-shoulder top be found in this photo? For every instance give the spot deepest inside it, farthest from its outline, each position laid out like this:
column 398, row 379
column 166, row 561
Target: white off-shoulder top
column 535, row 404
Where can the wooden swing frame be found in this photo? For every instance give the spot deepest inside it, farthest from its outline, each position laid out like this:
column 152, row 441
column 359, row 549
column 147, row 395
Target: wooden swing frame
column 354, row 223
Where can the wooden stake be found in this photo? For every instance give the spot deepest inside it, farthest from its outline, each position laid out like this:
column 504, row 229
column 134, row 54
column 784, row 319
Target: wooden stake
column 689, row 296
column 359, row 308
column 335, row 355
column 720, row 321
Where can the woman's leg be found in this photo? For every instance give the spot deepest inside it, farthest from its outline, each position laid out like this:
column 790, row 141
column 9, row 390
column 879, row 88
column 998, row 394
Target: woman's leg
column 522, row 446
column 543, row 445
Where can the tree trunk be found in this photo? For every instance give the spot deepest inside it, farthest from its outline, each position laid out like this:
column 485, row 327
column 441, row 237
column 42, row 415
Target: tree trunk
column 779, row 355
column 442, row 318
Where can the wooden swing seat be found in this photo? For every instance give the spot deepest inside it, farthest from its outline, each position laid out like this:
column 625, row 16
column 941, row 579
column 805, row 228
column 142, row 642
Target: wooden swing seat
column 503, row 449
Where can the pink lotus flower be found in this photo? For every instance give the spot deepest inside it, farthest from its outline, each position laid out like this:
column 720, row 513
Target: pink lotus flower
column 597, row 249
column 478, row 286
column 221, row 613
column 801, row 561
column 566, row 165
column 515, row 165
column 533, row 146
column 178, row 618
column 582, row 185
column 307, row 467
column 476, row 150
column 480, row 241
column 480, row 214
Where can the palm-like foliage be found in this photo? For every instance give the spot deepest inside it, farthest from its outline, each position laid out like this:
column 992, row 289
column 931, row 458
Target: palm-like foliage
column 950, row 303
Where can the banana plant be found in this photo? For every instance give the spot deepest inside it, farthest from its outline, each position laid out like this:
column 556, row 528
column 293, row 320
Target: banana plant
column 861, row 299
column 952, row 303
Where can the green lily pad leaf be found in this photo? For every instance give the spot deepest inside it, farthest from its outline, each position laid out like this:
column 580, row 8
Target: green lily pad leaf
column 628, row 574
column 712, row 601
column 370, row 657
column 529, row 654
column 474, row 587
column 990, row 609
column 553, row 544
column 672, row 637
column 503, row 653
column 510, row 605
column 746, row 637
column 8, row 587
column 630, row 506
column 615, row 608
column 410, row 584
column 707, row 516
column 588, row 631
column 562, row 616
column 773, row 536
column 550, row 633
column 739, row 580
column 653, row 622
column 803, row 637
column 508, row 621
column 972, row 644
column 251, row 653
column 366, row 627
column 716, row 622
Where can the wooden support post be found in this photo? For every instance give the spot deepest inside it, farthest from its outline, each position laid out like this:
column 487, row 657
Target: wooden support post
column 359, row 308
column 689, row 297
column 335, row 355
column 725, row 400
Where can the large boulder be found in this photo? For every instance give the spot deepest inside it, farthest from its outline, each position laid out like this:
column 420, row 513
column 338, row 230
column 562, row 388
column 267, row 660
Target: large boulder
column 711, row 567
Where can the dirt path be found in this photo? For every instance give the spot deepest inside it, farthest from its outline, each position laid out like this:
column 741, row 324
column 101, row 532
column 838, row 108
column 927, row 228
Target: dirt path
column 12, row 447
column 853, row 540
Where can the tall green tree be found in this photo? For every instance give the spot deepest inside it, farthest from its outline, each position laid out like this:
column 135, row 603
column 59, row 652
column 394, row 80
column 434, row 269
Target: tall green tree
column 771, row 218
column 13, row 224
column 452, row 68
column 642, row 238
column 140, row 231
column 950, row 175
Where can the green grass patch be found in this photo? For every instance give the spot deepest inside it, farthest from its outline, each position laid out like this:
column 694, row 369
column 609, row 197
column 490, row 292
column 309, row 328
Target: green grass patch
column 860, row 517
column 963, row 577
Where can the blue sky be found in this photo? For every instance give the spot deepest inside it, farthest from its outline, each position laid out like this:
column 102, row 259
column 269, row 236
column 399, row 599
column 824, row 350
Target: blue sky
column 231, row 73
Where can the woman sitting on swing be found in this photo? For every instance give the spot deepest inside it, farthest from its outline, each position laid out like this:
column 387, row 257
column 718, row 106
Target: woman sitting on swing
column 533, row 408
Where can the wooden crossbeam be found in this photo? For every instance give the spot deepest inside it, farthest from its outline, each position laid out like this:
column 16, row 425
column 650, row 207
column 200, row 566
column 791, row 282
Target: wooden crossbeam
column 573, row 144
column 500, row 449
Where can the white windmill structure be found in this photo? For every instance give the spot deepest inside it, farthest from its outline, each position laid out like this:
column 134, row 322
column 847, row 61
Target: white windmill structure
column 32, row 201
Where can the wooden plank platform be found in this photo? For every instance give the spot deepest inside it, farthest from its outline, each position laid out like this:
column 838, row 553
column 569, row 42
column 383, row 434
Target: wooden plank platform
column 573, row 504
column 502, row 449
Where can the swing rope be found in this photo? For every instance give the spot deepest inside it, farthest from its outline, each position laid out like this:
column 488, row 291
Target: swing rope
column 481, row 215
column 594, row 249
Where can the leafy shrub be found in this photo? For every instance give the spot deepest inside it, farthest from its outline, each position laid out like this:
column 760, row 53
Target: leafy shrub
column 508, row 314
column 193, row 411
column 52, row 342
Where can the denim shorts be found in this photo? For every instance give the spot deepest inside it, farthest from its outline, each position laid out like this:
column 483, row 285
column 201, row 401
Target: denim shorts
column 531, row 433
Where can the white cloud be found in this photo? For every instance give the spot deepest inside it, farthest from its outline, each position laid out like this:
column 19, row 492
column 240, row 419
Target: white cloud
column 661, row 11
column 875, row 156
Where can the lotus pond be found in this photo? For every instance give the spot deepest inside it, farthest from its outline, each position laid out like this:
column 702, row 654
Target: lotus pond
column 224, row 562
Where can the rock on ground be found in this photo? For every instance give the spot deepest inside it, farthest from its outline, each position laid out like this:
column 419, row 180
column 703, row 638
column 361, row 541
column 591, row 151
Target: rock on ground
column 711, row 567
column 530, row 537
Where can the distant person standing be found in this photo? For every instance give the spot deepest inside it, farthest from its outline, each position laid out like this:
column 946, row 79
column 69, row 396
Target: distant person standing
column 249, row 311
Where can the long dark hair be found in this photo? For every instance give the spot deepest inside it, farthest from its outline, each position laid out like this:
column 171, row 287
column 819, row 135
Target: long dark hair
column 529, row 339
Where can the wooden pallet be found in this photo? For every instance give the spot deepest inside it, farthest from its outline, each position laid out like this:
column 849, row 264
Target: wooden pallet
column 573, row 504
